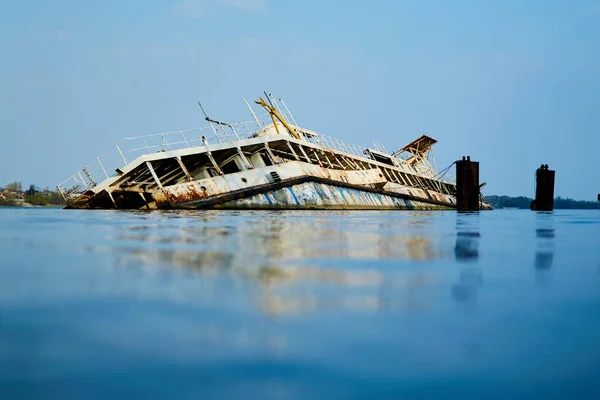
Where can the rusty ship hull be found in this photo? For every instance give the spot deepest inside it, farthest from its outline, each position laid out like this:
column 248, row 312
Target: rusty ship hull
column 276, row 165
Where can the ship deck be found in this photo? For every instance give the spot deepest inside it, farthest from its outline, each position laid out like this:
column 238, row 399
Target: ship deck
column 224, row 162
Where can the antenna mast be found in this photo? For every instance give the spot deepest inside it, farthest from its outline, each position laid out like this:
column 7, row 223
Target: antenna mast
column 254, row 115
column 209, row 122
column 276, row 105
column 289, row 113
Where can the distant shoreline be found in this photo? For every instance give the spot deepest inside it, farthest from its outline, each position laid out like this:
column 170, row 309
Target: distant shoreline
column 53, row 199
column 28, row 205
column 523, row 203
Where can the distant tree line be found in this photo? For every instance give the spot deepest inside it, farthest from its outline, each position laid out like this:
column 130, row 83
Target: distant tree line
column 524, row 202
column 13, row 195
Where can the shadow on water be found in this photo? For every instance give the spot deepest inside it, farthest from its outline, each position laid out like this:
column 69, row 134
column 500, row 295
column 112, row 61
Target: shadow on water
column 466, row 252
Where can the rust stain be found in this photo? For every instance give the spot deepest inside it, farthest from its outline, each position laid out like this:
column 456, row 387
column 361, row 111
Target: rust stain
column 185, row 193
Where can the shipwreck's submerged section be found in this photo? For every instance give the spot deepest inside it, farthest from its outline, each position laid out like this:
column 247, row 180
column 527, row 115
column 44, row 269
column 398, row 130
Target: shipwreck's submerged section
column 258, row 165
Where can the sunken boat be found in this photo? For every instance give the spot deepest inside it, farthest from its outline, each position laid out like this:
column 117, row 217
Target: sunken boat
column 269, row 162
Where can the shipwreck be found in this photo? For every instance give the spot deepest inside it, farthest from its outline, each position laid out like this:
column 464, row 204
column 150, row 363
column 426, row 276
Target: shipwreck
column 269, row 162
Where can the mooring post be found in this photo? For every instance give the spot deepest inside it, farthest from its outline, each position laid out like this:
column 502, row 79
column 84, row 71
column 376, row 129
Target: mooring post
column 467, row 185
column 544, row 189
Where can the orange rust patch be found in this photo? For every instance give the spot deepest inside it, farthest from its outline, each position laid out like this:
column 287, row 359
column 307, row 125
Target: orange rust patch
column 185, row 193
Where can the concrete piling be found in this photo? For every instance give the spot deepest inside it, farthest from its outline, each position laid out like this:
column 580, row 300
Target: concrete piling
column 544, row 189
column 467, row 185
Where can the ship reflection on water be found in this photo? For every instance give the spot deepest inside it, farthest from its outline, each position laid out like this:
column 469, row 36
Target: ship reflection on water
column 291, row 237
column 287, row 257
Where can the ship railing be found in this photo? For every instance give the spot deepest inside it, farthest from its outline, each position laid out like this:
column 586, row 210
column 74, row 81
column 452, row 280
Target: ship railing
column 357, row 150
column 380, row 147
column 333, row 143
column 128, row 149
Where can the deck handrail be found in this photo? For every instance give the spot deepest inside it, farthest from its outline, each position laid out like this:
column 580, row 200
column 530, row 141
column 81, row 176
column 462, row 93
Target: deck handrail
column 127, row 149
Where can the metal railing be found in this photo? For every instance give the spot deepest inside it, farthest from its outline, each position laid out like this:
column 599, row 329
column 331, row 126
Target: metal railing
column 380, row 147
column 333, row 143
column 126, row 150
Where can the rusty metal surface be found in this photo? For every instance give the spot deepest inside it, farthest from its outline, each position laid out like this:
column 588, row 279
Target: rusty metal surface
column 254, row 179
column 194, row 194
column 316, row 195
column 331, row 197
column 185, row 193
column 338, row 189
column 127, row 170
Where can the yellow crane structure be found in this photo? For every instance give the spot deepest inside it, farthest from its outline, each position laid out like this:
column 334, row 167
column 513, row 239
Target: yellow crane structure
column 274, row 114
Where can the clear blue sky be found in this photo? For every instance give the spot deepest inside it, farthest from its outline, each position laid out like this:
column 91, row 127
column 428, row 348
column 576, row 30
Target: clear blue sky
column 512, row 83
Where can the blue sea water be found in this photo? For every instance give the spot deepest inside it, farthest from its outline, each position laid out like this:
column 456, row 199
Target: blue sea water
column 299, row 305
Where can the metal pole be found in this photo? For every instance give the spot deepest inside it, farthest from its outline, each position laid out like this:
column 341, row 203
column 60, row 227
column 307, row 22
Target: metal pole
column 101, row 166
column 260, row 125
column 85, row 171
column 234, row 132
column 165, row 142
column 82, row 181
column 154, row 174
column 248, row 130
column 244, row 159
column 76, row 183
column 62, row 194
column 270, row 153
column 289, row 113
column 146, row 144
column 292, row 150
column 304, row 153
column 184, row 139
column 327, row 159
column 184, row 168
column 209, row 123
column 277, row 105
column 214, row 163
column 225, row 133
column 121, row 153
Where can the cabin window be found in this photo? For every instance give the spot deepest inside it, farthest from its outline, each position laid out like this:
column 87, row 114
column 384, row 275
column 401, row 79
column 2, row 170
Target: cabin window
column 230, row 168
column 266, row 159
column 381, row 159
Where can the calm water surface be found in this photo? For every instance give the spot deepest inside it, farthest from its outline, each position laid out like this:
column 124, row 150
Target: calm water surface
column 225, row 304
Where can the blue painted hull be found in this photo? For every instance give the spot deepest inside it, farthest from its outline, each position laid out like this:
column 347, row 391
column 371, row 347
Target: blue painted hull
column 316, row 195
